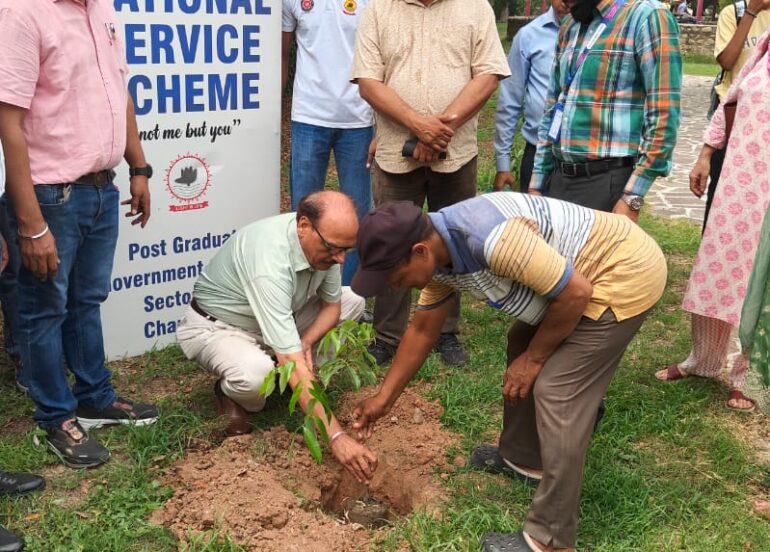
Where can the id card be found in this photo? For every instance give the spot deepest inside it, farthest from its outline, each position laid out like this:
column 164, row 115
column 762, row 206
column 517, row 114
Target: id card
column 555, row 130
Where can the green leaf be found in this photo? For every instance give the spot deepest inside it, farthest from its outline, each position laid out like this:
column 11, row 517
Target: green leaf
column 285, row 373
column 295, row 397
column 327, row 371
column 354, row 377
column 311, row 440
column 268, row 385
column 317, row 393
column 335, row 337
column 321, row 429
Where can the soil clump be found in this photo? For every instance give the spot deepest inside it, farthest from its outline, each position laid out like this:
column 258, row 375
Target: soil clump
column 266, row 493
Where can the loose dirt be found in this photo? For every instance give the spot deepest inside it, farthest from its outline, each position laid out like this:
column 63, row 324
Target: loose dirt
column 266, row 493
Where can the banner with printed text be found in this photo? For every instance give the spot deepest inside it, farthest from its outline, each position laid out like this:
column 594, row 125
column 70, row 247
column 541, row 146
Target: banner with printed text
column 205, row 78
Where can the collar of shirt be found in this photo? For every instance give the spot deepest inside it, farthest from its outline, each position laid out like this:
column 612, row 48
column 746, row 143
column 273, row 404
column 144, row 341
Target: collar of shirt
column 603, row 7
column 419, row 3
column 457, row 266
column 298, row 260
column 553, row 20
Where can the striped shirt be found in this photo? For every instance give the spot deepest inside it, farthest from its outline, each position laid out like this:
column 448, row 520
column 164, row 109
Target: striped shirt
column 518, row 251
column 624, row 100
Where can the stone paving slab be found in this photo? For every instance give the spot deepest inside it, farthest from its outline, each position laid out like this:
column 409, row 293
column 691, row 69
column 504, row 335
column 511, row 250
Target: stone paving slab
column 671, row 197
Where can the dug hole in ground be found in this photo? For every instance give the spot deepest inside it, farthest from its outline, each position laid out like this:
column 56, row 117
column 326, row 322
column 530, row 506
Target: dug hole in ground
column 268, row 494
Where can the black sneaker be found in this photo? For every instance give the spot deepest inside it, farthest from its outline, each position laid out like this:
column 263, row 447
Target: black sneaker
column 451, row 350
column 381, row 351
column 122, row 411
column 9, row 542
column 20, row 483
column 75, row 446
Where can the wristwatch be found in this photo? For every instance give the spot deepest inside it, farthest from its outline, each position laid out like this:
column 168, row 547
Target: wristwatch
column 634, row 202
column 141, row 171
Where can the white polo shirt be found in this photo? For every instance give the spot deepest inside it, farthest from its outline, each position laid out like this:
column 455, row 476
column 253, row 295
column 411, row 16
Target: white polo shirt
column 326, row 35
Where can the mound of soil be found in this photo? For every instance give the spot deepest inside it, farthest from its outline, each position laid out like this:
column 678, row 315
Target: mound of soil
column 267, row 493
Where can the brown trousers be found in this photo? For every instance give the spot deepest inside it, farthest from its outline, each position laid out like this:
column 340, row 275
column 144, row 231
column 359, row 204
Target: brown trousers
column 391, row 310
column 551, row 428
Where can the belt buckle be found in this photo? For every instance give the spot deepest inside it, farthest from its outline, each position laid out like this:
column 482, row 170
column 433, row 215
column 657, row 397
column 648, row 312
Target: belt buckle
column 572, row 169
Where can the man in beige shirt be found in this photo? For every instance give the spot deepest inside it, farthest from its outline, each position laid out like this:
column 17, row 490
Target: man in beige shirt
column 427, row 67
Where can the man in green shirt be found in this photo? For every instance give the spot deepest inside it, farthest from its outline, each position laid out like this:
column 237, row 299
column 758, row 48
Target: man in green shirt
column 274, row 288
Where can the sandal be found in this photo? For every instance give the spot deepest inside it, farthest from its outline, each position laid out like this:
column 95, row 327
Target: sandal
column 487, row 458
column 673, row 373
column 505, row 542
column 737, row 395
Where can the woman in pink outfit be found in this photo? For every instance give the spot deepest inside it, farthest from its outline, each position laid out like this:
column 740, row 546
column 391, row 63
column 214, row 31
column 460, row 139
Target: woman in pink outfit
column 723, row 264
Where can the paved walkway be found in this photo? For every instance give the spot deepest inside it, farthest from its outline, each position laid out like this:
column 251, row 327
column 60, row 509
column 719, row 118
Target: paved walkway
column 671, row 197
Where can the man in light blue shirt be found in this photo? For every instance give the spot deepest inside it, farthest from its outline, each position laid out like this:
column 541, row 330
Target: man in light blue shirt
column 531, row 61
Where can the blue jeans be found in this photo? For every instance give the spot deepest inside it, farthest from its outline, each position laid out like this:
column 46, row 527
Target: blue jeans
column 310, row 149
column 8, row 285
column 61, row 317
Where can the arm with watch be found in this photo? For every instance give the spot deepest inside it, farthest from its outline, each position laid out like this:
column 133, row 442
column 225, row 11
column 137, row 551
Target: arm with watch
column 139, row 171
column 656, row 46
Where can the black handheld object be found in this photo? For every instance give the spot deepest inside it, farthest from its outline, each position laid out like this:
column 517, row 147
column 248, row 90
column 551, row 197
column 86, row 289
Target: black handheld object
column 409, row 146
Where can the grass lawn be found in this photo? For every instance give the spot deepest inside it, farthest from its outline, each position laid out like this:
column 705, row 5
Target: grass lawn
column 669, row 469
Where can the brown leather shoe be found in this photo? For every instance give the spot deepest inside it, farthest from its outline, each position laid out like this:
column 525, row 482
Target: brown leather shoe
column 238, row 422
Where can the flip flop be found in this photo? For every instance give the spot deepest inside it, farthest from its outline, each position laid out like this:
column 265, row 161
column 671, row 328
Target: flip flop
column 737, row 394
column 673, row 373
column 505, row 542
column 487, row 458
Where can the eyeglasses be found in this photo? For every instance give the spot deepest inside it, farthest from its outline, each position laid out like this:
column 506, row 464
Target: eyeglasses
column 330, row 247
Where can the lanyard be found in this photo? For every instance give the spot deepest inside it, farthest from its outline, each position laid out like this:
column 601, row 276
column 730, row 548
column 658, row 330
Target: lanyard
column 606, row 20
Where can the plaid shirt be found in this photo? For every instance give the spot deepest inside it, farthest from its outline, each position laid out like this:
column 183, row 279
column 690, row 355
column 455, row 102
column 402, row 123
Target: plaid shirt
column 624, row 100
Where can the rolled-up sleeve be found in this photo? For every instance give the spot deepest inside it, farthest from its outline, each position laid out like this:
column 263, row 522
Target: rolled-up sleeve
column 288, row 20
column 19, row 58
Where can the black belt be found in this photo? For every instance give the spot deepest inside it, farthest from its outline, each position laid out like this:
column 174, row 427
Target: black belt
column 196, row 307
column 98, row 178
column 576, row 170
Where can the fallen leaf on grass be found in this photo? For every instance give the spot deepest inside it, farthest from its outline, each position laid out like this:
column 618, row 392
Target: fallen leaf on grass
column 32, row 517
column 762, row 508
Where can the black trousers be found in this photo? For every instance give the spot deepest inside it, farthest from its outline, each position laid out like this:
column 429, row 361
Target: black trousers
column 526, row 166
column 598, row 191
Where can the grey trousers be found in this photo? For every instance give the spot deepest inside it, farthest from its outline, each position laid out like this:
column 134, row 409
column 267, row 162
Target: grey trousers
column 600, row 191
column 391, row 310
column 551, row 429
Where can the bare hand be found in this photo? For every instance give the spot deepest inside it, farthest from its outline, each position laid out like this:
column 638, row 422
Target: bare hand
column 699, row 175
column 370, row 154
column 40, row 256
column 622, row 208
column 140, row 200
column 424, row 154
column 366, row 413
column 503, row 179
column 520, row 377
column 535, row 192
column 433, row 132
column 357, row 459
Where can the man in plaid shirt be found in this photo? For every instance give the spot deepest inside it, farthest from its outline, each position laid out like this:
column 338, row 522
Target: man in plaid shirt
column 612, row 110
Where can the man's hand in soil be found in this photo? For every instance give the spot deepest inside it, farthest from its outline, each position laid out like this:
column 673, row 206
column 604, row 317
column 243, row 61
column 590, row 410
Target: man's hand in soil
column 366, row 413
column 357, row 459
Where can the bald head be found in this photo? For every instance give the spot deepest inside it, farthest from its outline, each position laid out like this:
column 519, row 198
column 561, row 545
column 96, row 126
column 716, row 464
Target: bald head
column 327, row 224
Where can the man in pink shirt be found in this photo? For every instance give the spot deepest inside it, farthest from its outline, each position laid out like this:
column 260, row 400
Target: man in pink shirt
column 65, row 121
